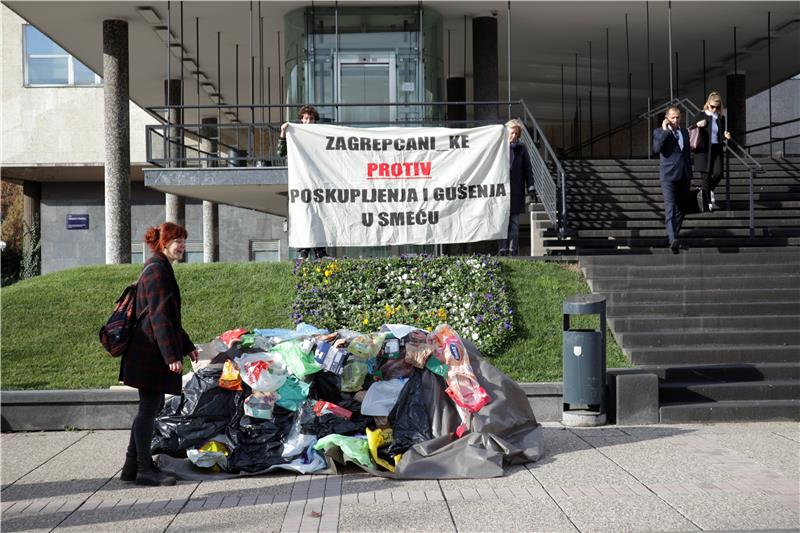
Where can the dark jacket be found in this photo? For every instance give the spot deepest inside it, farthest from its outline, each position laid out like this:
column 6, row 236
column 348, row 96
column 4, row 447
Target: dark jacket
column 159, row 338
column 520, row 175
column 675, row 164
column 701, row 159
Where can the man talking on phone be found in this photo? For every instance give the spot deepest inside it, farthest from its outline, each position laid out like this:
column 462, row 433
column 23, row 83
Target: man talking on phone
column 671, row 143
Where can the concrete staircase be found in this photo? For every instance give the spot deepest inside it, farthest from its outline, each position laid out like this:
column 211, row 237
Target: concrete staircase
column 617, row 205
column 720, row 327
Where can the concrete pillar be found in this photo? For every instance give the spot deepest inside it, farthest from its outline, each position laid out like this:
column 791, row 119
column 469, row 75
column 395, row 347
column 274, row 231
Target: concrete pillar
column 209, row 145
column 175, row 205
column 116, row 124
column 485, row 66
column 31, row 209
column 736, row 106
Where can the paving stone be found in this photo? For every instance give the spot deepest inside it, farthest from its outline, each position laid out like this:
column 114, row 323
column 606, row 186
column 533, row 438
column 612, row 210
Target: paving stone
column 503, row 515
column 736, row 512
column 30, row 450
column 261, row 518
column 635, row 513
column 422, row 516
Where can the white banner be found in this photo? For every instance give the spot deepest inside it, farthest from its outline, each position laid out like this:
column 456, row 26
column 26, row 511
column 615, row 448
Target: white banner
column 393, row 186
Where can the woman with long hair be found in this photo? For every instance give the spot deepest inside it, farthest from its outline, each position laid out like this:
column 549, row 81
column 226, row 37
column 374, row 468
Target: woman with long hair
column 711, row 124
column 153, row 363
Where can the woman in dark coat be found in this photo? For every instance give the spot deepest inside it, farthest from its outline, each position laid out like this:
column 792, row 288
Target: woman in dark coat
column 153, row 362
column 521, row 178
column 711, row 124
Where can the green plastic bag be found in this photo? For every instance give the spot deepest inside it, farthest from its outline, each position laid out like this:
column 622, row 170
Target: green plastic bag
column 355, row 449
column 436, row 366
column 299, row 363
column 353, row 374
column 293, row 393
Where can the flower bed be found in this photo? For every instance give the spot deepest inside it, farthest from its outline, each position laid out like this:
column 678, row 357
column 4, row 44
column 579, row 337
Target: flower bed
column 361, row 294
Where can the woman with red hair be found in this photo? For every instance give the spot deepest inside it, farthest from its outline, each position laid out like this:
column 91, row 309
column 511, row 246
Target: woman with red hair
column 153, row 362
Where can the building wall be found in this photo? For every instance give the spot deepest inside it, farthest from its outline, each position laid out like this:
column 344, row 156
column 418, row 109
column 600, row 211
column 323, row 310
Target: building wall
column 63, row 248
column 785, row 106
column 52, row 125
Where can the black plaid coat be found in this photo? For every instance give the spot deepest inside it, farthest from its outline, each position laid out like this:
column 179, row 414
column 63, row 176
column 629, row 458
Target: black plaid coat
column 159, row 338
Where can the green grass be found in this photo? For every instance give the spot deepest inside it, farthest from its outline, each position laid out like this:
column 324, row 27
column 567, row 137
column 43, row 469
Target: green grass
column 50, row 323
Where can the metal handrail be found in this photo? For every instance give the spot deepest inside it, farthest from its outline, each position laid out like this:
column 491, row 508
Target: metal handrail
column 551, row 191
column 773, row 125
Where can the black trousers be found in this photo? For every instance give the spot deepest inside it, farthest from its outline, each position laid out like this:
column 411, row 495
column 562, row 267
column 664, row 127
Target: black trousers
column 139, row 446
column 712, row 172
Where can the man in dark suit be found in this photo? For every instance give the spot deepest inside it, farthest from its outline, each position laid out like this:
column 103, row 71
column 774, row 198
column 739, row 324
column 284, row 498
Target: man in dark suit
column 671, row 142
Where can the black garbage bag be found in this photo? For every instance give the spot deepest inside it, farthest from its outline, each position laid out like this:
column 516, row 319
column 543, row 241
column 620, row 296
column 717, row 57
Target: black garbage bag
column 326, row 386
column 409, row 417
column 329, row 424
column 203, row 410
column 257, row 443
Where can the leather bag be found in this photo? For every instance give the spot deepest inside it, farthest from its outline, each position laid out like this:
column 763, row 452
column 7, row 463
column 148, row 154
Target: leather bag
column 695, row 140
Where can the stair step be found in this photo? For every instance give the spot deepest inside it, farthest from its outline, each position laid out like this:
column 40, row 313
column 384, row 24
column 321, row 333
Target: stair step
column 684, row 282
column 701, row 309
column 730, row 411
column 690, row 392
column 725, row 372
column 722, row 339
column 743, row 296
column 710, row 354
column 600, row 271
column 708, row 323
column 740, row 256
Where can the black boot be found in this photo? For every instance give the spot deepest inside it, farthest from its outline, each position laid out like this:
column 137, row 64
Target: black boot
column 129, row 469
column 149, row 474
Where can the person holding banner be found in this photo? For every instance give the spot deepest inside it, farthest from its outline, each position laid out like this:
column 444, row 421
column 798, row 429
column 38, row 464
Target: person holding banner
column 307, row 115
column 521, row 180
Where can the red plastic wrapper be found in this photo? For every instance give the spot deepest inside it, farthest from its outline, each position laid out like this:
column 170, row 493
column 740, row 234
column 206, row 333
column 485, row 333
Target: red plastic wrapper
column 231, row 336
column 323, row 408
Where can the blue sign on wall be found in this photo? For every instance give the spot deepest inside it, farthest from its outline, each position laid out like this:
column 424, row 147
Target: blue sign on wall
column 78, row 221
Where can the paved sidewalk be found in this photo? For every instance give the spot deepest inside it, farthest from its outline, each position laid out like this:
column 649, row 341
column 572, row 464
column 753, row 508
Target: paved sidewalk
column 650, row 478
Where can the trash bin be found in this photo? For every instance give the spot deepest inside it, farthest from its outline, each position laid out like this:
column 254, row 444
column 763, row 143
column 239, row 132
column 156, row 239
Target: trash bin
column 584, row 359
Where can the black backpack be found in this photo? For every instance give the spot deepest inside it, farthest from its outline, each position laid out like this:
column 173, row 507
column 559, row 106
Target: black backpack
column 116, row 332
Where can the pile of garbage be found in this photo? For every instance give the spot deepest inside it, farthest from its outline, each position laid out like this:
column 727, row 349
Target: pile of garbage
column 401, row 403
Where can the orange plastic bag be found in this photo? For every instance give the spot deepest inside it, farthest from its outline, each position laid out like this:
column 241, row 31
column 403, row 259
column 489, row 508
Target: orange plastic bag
column 230, row 378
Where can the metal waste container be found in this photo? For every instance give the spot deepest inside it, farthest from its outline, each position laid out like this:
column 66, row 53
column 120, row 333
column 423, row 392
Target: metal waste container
column 584, row 359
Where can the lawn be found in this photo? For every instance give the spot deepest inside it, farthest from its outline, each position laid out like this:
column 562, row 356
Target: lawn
column 50, row 323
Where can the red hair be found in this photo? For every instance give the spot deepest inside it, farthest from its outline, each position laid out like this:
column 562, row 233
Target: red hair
column 157, row 238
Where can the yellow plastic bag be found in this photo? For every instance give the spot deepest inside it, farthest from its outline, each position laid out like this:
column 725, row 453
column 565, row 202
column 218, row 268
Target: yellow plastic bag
column 376, row 439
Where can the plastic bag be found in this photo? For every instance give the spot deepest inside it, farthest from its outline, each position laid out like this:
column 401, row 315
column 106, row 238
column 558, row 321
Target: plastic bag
column 292, row 393
column 436, row 366
column 376, row 439
column 409, row 417
column 298, row 362
column 366, row 346
column 381, row 397
column 200, row 412
column 257, row 444
column 263, row 372
column 327, row 424
column 395, row 368
column 355, row 449
column 213, row 454
column 296, row 441
column 462, row 385
column 232, row 335
column 230, row 378
column 353, row 374
column 323, row 408
column 260, row 404
column 417, row 353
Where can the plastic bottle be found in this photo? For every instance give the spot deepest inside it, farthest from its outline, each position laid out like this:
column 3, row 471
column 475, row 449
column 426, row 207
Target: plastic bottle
column 462, row 385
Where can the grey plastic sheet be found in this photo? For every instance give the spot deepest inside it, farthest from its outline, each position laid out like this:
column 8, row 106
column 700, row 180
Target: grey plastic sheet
column 504, row 432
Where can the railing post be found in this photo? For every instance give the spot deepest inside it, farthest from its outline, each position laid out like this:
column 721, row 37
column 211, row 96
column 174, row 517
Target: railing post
column 752, row 203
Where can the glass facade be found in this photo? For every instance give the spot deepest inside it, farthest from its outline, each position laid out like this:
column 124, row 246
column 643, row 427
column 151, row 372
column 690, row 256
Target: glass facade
column 47, row 64
column 387, row 56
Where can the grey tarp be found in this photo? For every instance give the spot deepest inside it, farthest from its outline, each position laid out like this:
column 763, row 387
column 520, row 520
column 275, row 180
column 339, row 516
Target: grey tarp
column 504, row 432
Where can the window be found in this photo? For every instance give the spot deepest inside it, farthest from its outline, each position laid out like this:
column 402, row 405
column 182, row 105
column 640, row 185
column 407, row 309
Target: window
column 47, row 64
column 194, row 252
column 137, row 252
column 265, row 250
